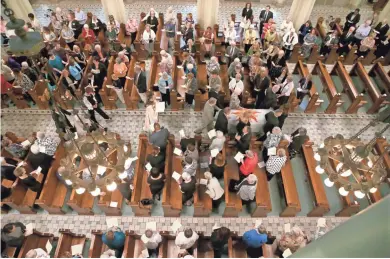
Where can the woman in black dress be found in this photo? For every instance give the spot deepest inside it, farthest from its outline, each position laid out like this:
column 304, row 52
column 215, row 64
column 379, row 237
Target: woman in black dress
column 79, row 56
column 156, row 181
column 188, row 187
column 152, row 21
column 99, row 72
column 276, row 65
column 247, row 12
column 217, row 166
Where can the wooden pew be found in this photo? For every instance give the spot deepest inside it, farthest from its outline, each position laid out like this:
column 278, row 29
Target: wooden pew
column 357, row 99
column 37, row 92
column 296, row 55
column 321, row 204
column 66, row 240
column 154, row 75
column 314, row 102
column 380, row 146
column 293, row 205
column 84, row 80
column 16, row 95
column 108, row 95
column 200, row 99
column 263, row 197
column 202, row 201
column 33, row 241
column 178, row 35
column 122, row 33
column 141, row 188
column 129, row 85
column 97, row 246
column 236, row 249
column 171, row 196
column 177, row 102
column 315, row 55
column 351, row 56
column 217, row 41
column 329, row 88
column 378, row 71
column 247, row 100
column 232, row 200
column 333, row 57
column 81, row 203
column 130, row 245
column 377, row 98
column 270, row 250
column 138, row 45
column 225, row 82
column 47, row 201
column 158, row 44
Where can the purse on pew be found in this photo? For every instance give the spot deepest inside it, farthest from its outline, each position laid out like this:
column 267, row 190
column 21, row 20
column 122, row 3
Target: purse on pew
column 233, row 185
column 155, row 88
column 146, row 202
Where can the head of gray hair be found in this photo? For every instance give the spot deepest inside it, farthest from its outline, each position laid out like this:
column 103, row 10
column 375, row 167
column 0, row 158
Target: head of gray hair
column 186, row 176
column 219, row 134
column 208, row 175
column 252, row 179
column 40, row 135
column 212, row 101
column 24, row 64
column 262, row 229
column 34, row 149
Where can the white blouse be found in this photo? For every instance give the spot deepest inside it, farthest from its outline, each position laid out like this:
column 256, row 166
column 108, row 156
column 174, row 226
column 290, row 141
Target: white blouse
column 146, row 36
column 233, row 84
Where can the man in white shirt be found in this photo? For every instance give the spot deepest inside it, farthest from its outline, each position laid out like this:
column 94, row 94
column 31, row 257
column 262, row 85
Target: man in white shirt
column 186, row 240
column 289, row 41
column 236, row 83
column 151, row 240
column 230, row 34
column 34, row 22
column 285, row 90
column 80, row 16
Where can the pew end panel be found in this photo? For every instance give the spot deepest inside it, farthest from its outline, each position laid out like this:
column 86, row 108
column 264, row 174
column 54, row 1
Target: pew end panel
column 66, row 240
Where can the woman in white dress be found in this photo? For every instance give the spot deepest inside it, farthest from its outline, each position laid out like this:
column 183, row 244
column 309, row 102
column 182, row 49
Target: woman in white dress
column 151, row 116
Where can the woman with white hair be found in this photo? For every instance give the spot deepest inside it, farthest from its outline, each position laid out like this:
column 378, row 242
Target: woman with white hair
column 165, row 84
column 218, row 142
column 247, row 189
column 290, row 39
column 236, row 85
column 88, row 35
column 214, row 189
column 191, row 86
column 275, row 163
column 286, row 26
column 190, row 68
column 273, row 139
column 235, row 103
column 148, row 38
column 292, row 240
column 151, row 20
column 234, row 65
column 166, row 64
column 213, row 66
column 187, row 186
column 37, row 253
column 285, row 90
column 276, row 65
column 230, row 34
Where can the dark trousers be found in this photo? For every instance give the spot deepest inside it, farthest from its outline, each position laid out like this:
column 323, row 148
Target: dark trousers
column 133, row 36
column 265, row 154
column 287, row 53
column 261, row 26
column 241, row 175
column 97, row 95
column 216, row 203
column 70, row 45
column 189, row 98
column 269, row 175
column 247, row 47
column 166, row 97
column 343, row 50
column 122, row 80
column 301, row 95
column 325, row 50
column 100, row 111
column 186, row 197
column 300, row 38
column 260, row 98
column 283, row 100
column 254, row 252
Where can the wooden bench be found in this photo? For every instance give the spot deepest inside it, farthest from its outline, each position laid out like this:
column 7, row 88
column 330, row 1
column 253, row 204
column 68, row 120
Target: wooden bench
column 129, row 85
column 349, row 59
column 177, row 94
column 200, row 99
column 217, row 40
column 321, row 204
column 202, row 201
column 66, row 240
column 225, row 91
column 247, row 100
column 263, row 197
column 378, row 99
column 53, row 203
column 34, row 241
column 236, row 249
column 97, row 246
column 329, row 88
column 16, row 95
column 37, row 94
column 270, row 250
column 232, row 200
column 378, row 71
column 357, row 99
column 130, row 245
column 138, row 44
column 315, row 55
column 178, row 36
column 314, row 102
column 158, row 43
column 380, row 146
column 293, row 205
column 141, row 188
column 108, row 95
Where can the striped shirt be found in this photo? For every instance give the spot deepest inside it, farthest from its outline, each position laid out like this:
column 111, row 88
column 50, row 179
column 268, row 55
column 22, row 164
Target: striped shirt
column 275, row 164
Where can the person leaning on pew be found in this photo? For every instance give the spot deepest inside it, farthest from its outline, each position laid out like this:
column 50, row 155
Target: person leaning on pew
column 219, row 241
column 159, row 137
column 248, row 164
column 114, row 238
column 187, row 184
column 246, row 190
column 12, row 234
column 254, row 240
column 298, row 137
column 151, row 240
column 275, row 163
column 186, row 240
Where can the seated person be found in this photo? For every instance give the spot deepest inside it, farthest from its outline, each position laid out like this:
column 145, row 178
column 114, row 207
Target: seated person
column 192, row 152
column 248, row 164
column 217, row 166
column 37, row 159
column 189, row 166
column 218, row 142
column 243, row 140
column 272, row 141
column 15, row 149
column 27, row 179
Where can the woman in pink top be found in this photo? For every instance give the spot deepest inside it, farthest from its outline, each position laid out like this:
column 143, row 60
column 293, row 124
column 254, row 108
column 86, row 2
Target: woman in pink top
column 3, row 23
column 131, row 29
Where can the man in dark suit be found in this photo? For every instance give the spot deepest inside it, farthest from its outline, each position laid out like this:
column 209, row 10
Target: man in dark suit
column 157, row 159
column 140, row 82
column 232, row 52
column 222, row 121
column 243, row 140
column 346, row 41
column 38, row 159
column 270, row 99
column 261, row 83
column 352, row 19
column 74, row 25
column 265, row 15
column 381, row 30
column 159, row 137
column 298, row 138
column 272, row 120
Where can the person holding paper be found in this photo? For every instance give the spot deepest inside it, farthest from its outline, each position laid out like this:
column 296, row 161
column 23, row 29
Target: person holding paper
column 247, row 189
column 37, row 253
column 156, row 181
column 214, row 190
column 192, row 151
column 115, row 238
column 221, row 123
column 91, row 103
column 243, row 140
column 46, row 145
column 217, row 166
column 148, row 38
column 272, row 141
column 218, row 142
column 191, row 87
column 166, row 63
column 165, row 84
column 254, row 239
column 248, row 165
column 275, row 163
column 159, row 137
column 208, row 115
column 190, row 165
column 235, row 103
column 151, row 240
column 156, row 159
column 219, row 241
column 187, row 187
column 27, row 179
column 292, row 240
column 38, row 159
column 185, row 140
column 12, row 234
column 186, row 240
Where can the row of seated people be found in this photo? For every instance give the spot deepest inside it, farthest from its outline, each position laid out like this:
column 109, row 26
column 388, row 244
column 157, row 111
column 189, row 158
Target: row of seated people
column 18, row 241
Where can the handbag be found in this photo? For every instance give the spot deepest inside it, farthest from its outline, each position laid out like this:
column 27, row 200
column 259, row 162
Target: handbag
column 146, row 202
column 232, row 185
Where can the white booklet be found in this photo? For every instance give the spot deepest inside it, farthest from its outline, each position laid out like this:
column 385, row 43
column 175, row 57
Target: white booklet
column 177, row 152
column 160, row 107
column 203, row 181
column 25, row 143
column 77, row 249
column 29, row 229
column 48, row 247
column 148, row 167
column 258, row 223
column 212, row 133
column 271, row 151
column 214, row 152
column 321, row 222
column 113, row 204
column 287, row 253
column 176, row 176
column 287, row 228
column 182, row 134
column 145, row 253
column 238, row 157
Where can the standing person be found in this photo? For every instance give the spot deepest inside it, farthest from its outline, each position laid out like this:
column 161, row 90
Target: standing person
column 47, row 35
column 272, row 141
column 191, row 88
column 192, row 151
column 383, row 47
column 221, row 123
column 79, row 56
column 290, row 39
column 247, row 189
column 287, row 26
column 88, row 36
column 140, row 82
column 90, row 102
column 74, row 25
column 275, row 163
column 208, row 115
column 114, row 238
column 207, row 40
column 381, row 30
column 156, row 181
column 12, row 234
column 303, row 31
column 34, row 22
column 218, row 142
column 148, row 38
column 190, row 165
column 217, row 166
column 75, row 70
column 188, row 33
column 219, row 241
column 186, row 240
column 68, row 35
column 264, row 17
column 152, row 20
column 254, row 240
column 26, row 179
column 96, row 25
column 24, row 82
column 80, row 16
column 352, row 19
column 330, row 40
column 243, row 140
column 304, row 86
column 270, row 99
column 159, row 137
column 262, row 82
column 99, row 72
column 30, row 72
column 247, row 12
column 285, row 90
column 232, row 52
column 214, row 190
column 118, row 87
column 298, row 138
column 250, row 38
column 230, row 34
column 248, row 164
column 236, row 85
column 165, row 84
column 361, row 32
column 187, row 186
column 111, row 35
column 156, row 159
column 276, row 65
column 131, row 29
column 151, row 240
column 215, row 83
column 120, row 70
column 151, row 116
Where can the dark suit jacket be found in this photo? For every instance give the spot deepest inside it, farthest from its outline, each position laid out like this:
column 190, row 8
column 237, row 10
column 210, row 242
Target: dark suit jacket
column 270, row 99
column 236, row 52
column 7, row 172
column 346, row 41
column 76, row 27
column 265, row 19
column 302, row 81
column 355, row 20
column 31, row 183
column 40, row 159
column 243, row 144
column 247, row 14
column 272, row 121
column 222, row 123
column 262, row 84
column 297, row 141
column 141, row 83
column 382, row 31
column 157, row 161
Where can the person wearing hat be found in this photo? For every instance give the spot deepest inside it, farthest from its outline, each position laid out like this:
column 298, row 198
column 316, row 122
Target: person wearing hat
column 250, row 38
column 151, row 239
column 289, row 41
column 90, row 102
column 118, row 87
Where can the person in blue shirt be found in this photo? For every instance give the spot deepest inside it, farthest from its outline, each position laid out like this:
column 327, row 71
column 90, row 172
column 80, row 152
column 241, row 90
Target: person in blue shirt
column 56, row 63
column 75, row 69
column 114, row 238
column 254, row 239
column 165, row 84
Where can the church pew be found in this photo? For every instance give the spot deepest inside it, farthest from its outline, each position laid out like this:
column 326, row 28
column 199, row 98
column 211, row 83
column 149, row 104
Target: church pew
column 138, row 45
column 321, row 204
column 179, row 35
column 380, row 146
column 47, row 201
column 351, row 56
column 159, row 34
column 225, row 81
column 122, row 33
column 177, row 101
column 333, row 57
column 373, row 197
column 200, row 99
column 37, row 92
column 66, row 240
column 217, row 41
column 329, row 88
column 81, row 203
column 378, row 71
column 141, row 188
column 171, row 197
column 295, row 55
column 293, row 205
column 59, row 94
column 357, row 99
column 154, row 75
column 105, row 201
column 16, row 95
column 84, row 80
column 129, row 248
column 10, row 252
column 378, row 99
column 236, row 249
column 202, row 201
column 270, row 250
column 315, row 55
column 232, row 200
column 314, row 102
column 263, row 197
column 33, row 241
column 129, row 84
column 108, row 95
column 97, row 246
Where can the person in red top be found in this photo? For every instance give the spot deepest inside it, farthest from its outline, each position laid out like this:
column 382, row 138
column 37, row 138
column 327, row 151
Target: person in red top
column 4, row 85
column 248, row 165
column 88, row 35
